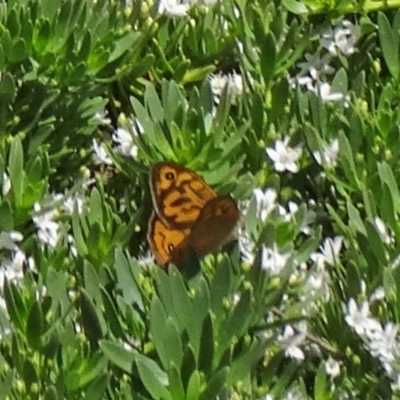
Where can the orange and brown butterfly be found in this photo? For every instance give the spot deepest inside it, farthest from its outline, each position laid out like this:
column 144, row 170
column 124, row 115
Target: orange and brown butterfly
column 188, row 215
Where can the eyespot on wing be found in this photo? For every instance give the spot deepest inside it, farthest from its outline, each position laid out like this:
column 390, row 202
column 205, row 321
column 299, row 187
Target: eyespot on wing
column 164, row 240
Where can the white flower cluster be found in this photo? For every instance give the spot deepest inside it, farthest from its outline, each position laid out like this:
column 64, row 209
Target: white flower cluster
column 381, row 340
column 315, row 70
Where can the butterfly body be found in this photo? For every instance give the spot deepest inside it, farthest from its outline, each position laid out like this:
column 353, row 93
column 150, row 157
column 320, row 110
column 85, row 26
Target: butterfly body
column 188, row 215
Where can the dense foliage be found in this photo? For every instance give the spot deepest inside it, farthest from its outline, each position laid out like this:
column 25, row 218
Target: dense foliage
column 291, row 108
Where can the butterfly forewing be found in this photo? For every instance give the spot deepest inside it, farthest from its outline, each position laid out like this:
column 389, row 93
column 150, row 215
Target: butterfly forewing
column 164, row 240
column 178, row 194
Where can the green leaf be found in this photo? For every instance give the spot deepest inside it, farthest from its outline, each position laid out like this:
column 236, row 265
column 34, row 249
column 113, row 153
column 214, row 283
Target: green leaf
column 237, row 322
column 215, row 384
column 175, row 383
column 87, row 370
column 268, row 58
column 126, row 280
column 194, row 386
column 201, row 307
column 96, row 208
column 355, row 221
column 90, row 319
column 321, row 389
column 16, row 169
column 118, row 355
column 51, row 393
column 123, row 44
column 30, row 375
column 92, row 282
column 113, row 316
column 35, row 326
column 15, row 305
column 18, row 52
column 219, row 288
column 7, row 380
column 97, row 389
column 206, row 351
column 153, row 104
column 78, row 234
column 386, row 175
column 389, row 41
column 6, row 220
column 153, row 378
column 180, row 297
column 295, row 7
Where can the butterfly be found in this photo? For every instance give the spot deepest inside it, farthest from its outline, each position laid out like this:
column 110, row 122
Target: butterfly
column 188, row 215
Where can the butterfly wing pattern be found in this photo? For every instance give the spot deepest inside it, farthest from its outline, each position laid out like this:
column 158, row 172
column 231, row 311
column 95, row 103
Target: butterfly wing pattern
column 187, row 215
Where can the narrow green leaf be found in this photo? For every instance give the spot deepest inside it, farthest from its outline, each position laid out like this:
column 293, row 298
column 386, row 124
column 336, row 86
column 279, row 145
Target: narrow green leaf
column 153, row 378
column 51, row 393
column 97, row 389
column 215, row 385
column 126, row 280
column 153, row 104
column 175, row 383
column 118, row 355
column 123, row 44
column 206, row 351
column 14, row 304
column 355, row 220
column 268, row 58
column 113, row 316
column 35, row 326
column 90, row 319
column 96, row 208
column 237, row 323
column 219, row 288
column 180, row 298
column 321, row 389
column 194, row 386
column 389, row 41
column 16, row 169
column 80, row 243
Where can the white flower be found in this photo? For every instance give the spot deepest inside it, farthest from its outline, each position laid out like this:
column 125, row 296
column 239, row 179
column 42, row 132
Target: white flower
column 8, row 239
column 332, row 367
column 48, row 230
column 291, row 340
column 6, row 184
column 265, row 202
column 102, row 118
column 100, row 154
column 174, row 8
column 327, row 95
column 233, row 82
column 284, row 157
column 386, row 346
column 329, row 252
column 74, row 204
column 218, row 83
column 386, row 236
column 359, row 319
column 327, row 156
column 72, row 247
column 146, row 259
column 247, row 247
column 341, row 39
column 125, row 145
column 331, row 249
column 377, row 295
column 273, row 261
column 313, row 68
column 12, row 269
